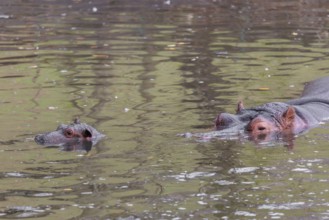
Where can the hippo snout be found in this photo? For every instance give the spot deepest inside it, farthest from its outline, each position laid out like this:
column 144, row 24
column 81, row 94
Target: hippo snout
column 39, row 139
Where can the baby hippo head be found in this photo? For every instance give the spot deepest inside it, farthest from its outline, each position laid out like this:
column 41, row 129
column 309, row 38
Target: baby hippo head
column 68, row 134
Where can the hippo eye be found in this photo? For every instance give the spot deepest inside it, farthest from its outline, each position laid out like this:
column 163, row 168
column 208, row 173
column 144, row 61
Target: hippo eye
column 68, row 133
column 219, row 122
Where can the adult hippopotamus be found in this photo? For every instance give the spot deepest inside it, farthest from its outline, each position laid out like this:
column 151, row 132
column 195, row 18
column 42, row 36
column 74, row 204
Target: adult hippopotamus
column 277, row 120
column 292, row 117
column 75, row 136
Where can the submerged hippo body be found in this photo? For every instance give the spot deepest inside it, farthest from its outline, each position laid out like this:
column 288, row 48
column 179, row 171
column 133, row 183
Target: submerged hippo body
column 75, row 136
column 292, row 117
column 276, row 120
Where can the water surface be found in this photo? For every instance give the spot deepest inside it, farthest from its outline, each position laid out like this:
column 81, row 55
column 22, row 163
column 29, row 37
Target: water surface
column 142, row 72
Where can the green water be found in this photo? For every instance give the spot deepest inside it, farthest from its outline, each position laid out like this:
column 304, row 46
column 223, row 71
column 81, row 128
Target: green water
column 141, row 72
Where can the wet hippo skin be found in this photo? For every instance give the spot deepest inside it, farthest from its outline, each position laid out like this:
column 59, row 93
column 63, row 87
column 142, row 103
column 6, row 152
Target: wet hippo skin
column 75, row 136
column 267, row 121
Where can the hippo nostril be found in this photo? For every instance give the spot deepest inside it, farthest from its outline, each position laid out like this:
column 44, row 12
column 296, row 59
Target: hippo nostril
column 261, row 128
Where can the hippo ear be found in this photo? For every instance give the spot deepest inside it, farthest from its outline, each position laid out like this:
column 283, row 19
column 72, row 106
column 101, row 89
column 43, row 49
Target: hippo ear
column 288, row 117
column 217, row 121
column 240, row 107
column 86, row 133
column 76, row 121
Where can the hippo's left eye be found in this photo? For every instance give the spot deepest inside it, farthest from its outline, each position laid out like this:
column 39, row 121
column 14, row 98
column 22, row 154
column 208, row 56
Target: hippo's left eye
column 69, row 133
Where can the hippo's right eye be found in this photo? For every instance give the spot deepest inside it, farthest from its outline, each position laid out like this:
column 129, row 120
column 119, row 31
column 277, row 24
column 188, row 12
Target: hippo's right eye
column 69, row 133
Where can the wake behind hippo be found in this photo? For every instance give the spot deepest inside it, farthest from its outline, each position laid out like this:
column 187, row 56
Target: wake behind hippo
column 75, row 136
column 276, row 120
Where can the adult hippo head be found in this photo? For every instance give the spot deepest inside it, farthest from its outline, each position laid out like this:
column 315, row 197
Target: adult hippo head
column 261, row 123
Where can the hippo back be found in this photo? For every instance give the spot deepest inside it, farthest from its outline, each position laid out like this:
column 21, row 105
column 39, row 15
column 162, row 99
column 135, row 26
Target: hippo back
column 313, row 104
column 318, row 88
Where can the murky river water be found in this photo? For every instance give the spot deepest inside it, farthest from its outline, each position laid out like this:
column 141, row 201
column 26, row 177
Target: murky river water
column 142, row 72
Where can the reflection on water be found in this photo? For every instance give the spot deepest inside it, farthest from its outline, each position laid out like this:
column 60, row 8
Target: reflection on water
column 141, row 72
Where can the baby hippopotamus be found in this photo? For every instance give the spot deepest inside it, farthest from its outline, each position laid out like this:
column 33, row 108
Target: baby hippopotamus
column 274, row 119
column 75, row 136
